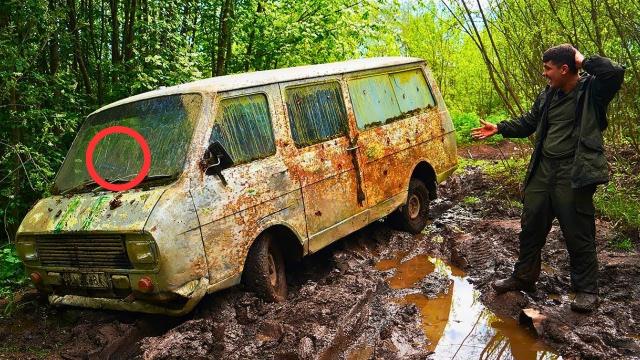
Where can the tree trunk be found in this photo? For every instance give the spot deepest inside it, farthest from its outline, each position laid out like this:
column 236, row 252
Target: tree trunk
column 252, row 37
column 127, row 43
column 54, row 47
column 77, row 49
column 115, row 32
column 223, row 36
column 229, row 41
column 16, row 138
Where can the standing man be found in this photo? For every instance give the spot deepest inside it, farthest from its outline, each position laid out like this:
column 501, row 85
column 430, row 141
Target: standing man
column 568, row 161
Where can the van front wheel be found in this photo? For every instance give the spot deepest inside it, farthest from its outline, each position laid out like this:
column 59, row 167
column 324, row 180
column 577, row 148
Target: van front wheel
column 412, row 216
column 264, row 271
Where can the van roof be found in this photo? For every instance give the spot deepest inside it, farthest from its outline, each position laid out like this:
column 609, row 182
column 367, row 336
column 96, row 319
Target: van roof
column 258, row 78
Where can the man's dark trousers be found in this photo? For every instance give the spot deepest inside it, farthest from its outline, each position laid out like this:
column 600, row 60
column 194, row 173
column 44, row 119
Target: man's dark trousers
column 549, row 195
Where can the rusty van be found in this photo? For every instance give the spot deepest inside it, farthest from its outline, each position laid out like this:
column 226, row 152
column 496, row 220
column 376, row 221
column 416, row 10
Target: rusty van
column 248, row 173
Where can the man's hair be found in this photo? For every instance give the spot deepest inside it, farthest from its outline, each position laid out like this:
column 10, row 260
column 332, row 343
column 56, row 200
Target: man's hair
column 561, row 55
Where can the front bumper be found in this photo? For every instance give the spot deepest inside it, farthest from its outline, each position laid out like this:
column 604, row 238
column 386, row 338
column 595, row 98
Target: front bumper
column 193, row 290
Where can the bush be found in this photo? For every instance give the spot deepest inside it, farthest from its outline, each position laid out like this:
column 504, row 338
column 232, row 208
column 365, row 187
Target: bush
column 11, row 271
column 465, row 122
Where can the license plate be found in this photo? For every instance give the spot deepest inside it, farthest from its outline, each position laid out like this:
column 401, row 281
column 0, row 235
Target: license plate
column 86, row 280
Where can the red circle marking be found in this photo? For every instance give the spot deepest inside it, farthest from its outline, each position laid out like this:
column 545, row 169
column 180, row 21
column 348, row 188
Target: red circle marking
column 146, row 156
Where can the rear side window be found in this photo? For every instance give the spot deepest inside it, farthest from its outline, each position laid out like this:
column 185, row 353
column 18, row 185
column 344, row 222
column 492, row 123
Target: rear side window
column 380, row 99
column 316, row 113
column 411, row 90
column 373, row 100
column 243, row 127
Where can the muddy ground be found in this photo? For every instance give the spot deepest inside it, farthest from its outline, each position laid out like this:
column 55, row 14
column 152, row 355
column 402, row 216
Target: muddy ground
column 342, row 304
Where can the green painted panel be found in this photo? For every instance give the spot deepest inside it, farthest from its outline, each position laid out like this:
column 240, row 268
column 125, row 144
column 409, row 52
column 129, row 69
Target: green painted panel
column 373, row 100
column 411, row 90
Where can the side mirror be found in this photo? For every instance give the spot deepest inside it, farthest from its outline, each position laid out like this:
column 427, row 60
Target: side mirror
column 216, row 159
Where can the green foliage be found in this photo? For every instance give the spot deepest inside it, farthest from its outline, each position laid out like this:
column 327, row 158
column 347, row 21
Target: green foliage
column 619, row 204
column 427, row 30
column 471, row 200
column 511, row 36
column 463, row 123
column 622, row 243
column 512, row 169
column 11, row 271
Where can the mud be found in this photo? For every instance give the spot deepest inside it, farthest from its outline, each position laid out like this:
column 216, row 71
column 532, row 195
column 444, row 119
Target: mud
column 377, row 294
column 497, row 151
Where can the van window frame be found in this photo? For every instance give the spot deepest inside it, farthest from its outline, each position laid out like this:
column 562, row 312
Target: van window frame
column 313, row 83
column 216, row 106
column 388, row 72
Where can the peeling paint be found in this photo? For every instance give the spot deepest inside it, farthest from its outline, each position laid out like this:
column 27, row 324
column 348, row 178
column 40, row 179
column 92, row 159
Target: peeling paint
column 93, row 212
column 71, row 208
column 115, row 202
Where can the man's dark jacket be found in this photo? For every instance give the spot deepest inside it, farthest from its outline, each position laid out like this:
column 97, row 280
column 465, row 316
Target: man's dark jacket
column 596, row 89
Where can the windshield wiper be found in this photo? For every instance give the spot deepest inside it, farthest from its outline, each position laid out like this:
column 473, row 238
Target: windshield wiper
column 119, row 180
column 79, row 187
column 158, row 177
column 125, row 179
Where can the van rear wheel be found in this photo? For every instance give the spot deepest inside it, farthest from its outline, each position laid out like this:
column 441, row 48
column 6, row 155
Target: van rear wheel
column 412, row 216
column 264, row 270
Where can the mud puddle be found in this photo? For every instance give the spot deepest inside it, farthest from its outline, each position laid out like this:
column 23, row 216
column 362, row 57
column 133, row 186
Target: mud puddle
column 454, row 320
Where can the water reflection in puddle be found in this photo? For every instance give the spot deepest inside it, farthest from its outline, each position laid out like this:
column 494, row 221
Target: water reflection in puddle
column 456, row 323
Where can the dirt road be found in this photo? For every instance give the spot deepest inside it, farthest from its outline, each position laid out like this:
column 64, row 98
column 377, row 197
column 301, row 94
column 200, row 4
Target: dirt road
column 378, row 294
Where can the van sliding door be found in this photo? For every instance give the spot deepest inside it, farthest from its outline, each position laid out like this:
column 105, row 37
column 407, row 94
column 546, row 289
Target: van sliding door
column 324, row 161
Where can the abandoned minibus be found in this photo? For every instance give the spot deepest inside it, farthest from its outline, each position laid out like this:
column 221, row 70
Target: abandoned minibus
column 247, row 173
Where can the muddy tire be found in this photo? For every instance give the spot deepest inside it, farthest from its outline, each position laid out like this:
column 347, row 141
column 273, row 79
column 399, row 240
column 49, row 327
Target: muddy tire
column 412, row 216
column 264, row 270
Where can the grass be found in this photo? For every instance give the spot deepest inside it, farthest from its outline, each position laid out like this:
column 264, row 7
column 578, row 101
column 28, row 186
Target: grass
column 622, row 243
column 619, row 204
column 34, row 351
column 471, row 200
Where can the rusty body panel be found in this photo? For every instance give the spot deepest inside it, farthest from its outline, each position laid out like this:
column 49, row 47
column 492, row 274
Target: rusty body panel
column 200, row 227
column 257, row 195
column 328, row 173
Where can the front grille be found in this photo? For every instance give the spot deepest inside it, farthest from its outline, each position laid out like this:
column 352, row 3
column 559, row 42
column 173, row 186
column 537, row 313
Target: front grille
column 83, row 252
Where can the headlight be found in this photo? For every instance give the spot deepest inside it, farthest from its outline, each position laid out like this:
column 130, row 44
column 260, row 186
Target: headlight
column 27, row 251
column 141, row 252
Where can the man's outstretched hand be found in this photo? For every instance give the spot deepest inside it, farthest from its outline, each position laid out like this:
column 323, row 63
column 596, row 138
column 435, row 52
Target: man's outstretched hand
column 487, row 130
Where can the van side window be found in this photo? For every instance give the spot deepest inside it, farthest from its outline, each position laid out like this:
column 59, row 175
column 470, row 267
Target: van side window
column 316, row 113
column 411, row 90
column 373, row 100
column 243, row 127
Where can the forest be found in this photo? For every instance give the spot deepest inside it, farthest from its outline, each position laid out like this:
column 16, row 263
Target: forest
column 63, row 59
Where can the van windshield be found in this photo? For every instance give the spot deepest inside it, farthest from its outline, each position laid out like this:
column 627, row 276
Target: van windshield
column 166, row 123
